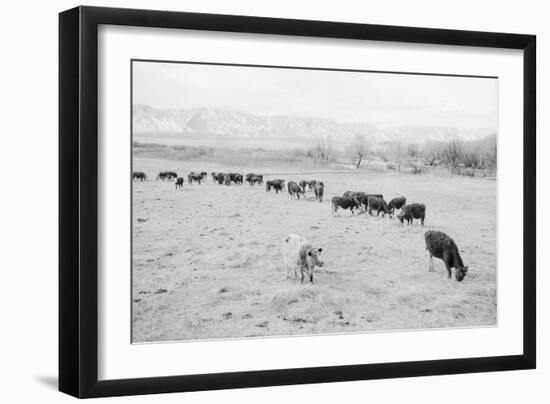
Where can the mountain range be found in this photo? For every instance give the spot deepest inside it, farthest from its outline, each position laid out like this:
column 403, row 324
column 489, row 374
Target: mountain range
column 229, row 123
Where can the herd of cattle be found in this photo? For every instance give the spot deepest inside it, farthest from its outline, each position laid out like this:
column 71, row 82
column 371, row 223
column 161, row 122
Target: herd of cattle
column 298, row 254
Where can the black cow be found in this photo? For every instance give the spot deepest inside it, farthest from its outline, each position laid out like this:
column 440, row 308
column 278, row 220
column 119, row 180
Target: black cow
column 378, row 205
column 218, row 177
column 294, row 189
column 303, row 184
column 396, row 203
column 179, row 183
column 139, row 175
column 167, row 175
column 413, row 211
column 198, row 177
column 214, row 175
column 344, row 203
column 277, row 185
column 236, row 178
column 319, row 190
column 441, row 246
column 254, row 179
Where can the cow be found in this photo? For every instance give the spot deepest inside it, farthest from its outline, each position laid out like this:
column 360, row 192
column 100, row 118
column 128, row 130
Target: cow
column 294, row 189
column 167, row 175
column 344, row 203
column 236, row 178
column 413, row 211
column 227, row 179
column 396, row 203
column 214, row 175
column 277, row 185
column 300, row 255
column 319, row 190
column 303, row 184
column 139, row 175
column 354, row 194
column 378, row 205
column 179, row 183
column 254, row 178
column 218, row 177
column 198, row 177
column 440, row 245
column 311, row 184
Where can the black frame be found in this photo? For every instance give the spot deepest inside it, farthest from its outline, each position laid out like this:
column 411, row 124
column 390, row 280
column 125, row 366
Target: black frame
column 78, row 205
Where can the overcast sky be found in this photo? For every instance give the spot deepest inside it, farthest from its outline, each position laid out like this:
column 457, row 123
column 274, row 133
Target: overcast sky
column 384, row 99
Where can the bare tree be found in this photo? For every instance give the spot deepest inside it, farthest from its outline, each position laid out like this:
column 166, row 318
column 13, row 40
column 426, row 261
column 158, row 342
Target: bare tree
column 358, row 150
column 397, row 153
column 453, row 153
column 322, row 152
column 432, row 154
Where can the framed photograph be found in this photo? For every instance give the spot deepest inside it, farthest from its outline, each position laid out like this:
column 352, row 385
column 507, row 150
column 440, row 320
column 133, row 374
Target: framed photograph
column 250, row 201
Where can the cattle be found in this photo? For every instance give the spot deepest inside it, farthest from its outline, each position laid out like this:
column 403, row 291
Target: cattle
column 167, row 175
column 413, row 211
column 236, row 178
column 218, row 177
column 139, row 175
column 344, row 203
column 396, row 203
column 179, row 183
column 254, row 179
column 378, row 205
column 319, row 190
column 311, row 184
column 303, row 184
column 277, row 185
column 300, row 255
column 198, row 177
column 354, row 194
column 214, row 175
column 440, row 245
column 227, row 179
column 294, row 189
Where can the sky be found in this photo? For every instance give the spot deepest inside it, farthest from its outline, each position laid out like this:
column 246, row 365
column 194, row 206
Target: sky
column 377, row 98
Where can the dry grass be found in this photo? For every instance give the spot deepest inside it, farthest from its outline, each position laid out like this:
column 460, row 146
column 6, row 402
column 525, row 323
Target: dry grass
column 207, row 263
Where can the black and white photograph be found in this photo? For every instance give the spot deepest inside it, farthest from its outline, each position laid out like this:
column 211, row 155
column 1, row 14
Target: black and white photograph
column 278, row 201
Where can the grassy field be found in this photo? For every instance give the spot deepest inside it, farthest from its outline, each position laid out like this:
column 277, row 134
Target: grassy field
column 207, row 259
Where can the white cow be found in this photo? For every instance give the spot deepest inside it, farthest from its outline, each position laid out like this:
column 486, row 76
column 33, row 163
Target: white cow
column 299, row 254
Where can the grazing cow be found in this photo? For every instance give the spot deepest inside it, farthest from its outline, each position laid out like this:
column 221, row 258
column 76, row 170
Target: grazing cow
column 300, row 255
column 294, row 189
column 344, row 203
column 139, row 175
column 396, row 203
column 277, row 185
column 198, row 177
column 236, row 178
column 167, row 175
column 303, row 184
column 319, row 190
column 413, row 211
column 441, row 246
column 179, row 183
column 254, row 179
column 354, row 194
column 378, row 205
column 214, row 174
column 311, row 184
column 227, row 179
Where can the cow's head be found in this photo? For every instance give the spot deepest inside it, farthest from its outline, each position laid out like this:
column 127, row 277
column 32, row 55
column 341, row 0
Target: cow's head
column 460, row 273
column 401, row 215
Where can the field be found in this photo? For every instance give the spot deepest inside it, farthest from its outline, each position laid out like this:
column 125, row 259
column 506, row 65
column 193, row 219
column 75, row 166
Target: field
column 207, row 259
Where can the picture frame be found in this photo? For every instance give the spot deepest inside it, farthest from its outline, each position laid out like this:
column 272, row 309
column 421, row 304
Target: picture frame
column 79, row 157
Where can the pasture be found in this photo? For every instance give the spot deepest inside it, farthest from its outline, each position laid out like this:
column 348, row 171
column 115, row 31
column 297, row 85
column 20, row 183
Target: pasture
column 207, row 259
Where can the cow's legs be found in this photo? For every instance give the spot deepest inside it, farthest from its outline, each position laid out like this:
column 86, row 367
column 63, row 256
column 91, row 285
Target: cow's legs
column 448, row 270
column 422, row 220
column 430, row 260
